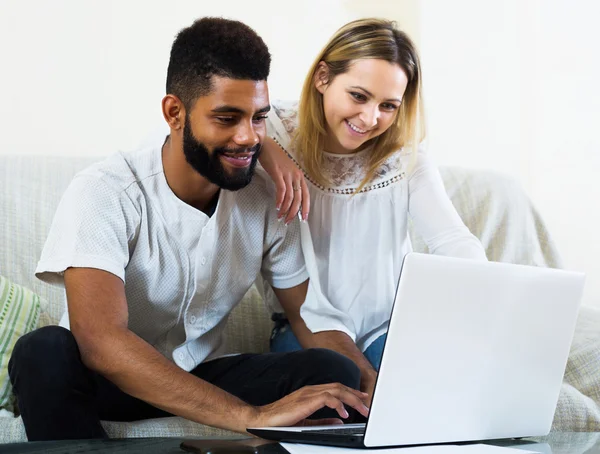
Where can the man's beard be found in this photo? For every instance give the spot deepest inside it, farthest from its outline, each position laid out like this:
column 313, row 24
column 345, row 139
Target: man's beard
column 209, row 165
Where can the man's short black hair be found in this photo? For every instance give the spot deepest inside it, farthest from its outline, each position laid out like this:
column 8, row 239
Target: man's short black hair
column 214, row 46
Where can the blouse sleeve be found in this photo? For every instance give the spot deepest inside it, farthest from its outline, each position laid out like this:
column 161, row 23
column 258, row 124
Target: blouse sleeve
column 435, row 217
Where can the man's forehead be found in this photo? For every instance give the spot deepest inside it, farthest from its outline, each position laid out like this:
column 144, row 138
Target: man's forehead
column 241, row 94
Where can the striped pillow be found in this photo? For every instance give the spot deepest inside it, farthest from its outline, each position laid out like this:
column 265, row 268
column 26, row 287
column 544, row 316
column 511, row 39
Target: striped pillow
column 19, row 314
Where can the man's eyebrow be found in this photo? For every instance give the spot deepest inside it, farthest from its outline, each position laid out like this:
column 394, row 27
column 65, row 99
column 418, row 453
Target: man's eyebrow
column 237, row 110
column 371, row 94
column 227, row 109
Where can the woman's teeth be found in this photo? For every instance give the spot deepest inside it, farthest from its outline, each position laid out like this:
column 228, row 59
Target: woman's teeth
column 354, row 128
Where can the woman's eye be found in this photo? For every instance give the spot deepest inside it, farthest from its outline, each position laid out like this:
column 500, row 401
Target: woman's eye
column 387, row 106
column 358, row 96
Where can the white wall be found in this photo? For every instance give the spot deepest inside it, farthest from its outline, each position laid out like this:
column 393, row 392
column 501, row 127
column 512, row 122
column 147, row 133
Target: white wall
column 565, row 159
column 513, row 86
column 510, row 85
column 87, row 76
column 474, row 55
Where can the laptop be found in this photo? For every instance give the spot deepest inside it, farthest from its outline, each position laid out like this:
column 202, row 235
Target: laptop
column 475, row 351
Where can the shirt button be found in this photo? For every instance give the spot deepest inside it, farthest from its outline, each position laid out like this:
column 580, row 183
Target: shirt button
column 192, row 319
column 181, row 356
column 203, row 260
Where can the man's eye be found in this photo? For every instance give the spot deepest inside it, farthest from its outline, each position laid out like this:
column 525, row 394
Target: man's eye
column 358, row 96
column 260, row 119
column 225, row 120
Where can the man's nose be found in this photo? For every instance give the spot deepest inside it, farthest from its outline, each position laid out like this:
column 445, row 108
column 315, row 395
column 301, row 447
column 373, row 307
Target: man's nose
column 245, row 135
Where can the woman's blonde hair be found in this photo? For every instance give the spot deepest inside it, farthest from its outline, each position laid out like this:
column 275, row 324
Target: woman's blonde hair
column 364, row 38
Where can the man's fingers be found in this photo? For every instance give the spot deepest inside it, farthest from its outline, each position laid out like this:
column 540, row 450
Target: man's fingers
column 299, row 405
column 321, row 422
column 339, row 388
column 350, row 397
column 311, row 404
column 335, row 404
column 357, row 392
column 356, row 403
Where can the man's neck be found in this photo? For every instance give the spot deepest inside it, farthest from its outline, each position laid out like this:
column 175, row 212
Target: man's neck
column 187, row 184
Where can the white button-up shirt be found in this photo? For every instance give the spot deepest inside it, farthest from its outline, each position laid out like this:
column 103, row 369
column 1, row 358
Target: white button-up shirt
column 183, row 271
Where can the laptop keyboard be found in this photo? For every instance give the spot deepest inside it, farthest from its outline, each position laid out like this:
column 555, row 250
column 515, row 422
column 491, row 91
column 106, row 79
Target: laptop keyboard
column 349, row 431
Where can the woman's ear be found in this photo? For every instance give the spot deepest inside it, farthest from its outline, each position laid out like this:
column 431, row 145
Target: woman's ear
column 321, row 77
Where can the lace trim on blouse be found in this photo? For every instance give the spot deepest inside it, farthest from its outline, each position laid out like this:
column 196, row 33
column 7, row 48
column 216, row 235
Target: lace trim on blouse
column 379, row 185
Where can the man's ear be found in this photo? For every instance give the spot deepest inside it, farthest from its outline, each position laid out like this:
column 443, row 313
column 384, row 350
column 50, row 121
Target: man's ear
column 321, row 77
column 173, row 112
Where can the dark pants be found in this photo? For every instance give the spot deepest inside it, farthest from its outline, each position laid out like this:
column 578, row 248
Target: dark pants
column 60, row 398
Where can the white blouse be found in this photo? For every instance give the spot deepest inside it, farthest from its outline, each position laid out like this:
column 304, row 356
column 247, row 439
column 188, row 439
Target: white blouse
column 354, row 244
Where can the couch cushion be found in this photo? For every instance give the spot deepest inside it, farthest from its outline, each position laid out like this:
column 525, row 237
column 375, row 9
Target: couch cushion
column 579, row 402
column 163, row 427
column 12, row 430
column 30, row 189
column 19, row 314
column 249, row 326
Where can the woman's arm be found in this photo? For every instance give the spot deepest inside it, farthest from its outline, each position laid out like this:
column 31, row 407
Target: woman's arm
column 435, row 217
column 292, row 191
column 291, row 300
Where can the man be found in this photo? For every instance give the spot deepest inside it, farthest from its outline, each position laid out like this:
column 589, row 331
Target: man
column 155, row 248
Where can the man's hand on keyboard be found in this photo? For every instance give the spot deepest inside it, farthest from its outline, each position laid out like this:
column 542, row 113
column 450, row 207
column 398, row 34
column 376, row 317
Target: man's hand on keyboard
column 294, row 408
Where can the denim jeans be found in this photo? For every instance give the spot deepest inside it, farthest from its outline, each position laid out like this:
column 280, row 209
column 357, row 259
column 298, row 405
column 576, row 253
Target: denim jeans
column 283, row 340
column 60, row 398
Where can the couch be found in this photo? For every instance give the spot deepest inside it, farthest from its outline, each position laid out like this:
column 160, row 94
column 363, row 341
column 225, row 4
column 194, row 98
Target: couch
column 494, row 207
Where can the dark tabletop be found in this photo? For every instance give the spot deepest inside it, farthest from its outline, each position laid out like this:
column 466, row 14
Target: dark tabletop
column 555, row 443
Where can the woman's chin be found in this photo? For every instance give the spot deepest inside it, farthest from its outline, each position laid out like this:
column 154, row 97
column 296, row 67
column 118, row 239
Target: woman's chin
column 346, row 146
column 353, row 146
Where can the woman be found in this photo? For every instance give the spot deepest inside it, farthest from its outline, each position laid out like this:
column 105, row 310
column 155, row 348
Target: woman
column 357, row 137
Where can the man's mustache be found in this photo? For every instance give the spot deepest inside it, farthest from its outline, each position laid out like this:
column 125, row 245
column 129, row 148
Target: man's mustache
column 223, row 150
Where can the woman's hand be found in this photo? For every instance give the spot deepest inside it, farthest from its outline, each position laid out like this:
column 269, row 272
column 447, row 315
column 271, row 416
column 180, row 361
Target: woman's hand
column 292, row 191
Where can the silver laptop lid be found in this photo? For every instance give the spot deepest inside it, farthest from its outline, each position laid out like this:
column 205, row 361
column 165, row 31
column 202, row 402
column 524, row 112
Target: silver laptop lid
column 474, row 351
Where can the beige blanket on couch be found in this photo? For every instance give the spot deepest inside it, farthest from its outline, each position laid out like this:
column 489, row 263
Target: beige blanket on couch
column 493, row 207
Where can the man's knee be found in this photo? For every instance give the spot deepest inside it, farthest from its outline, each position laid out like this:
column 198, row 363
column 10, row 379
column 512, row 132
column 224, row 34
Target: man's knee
column 329, row 366
column 44, row 356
